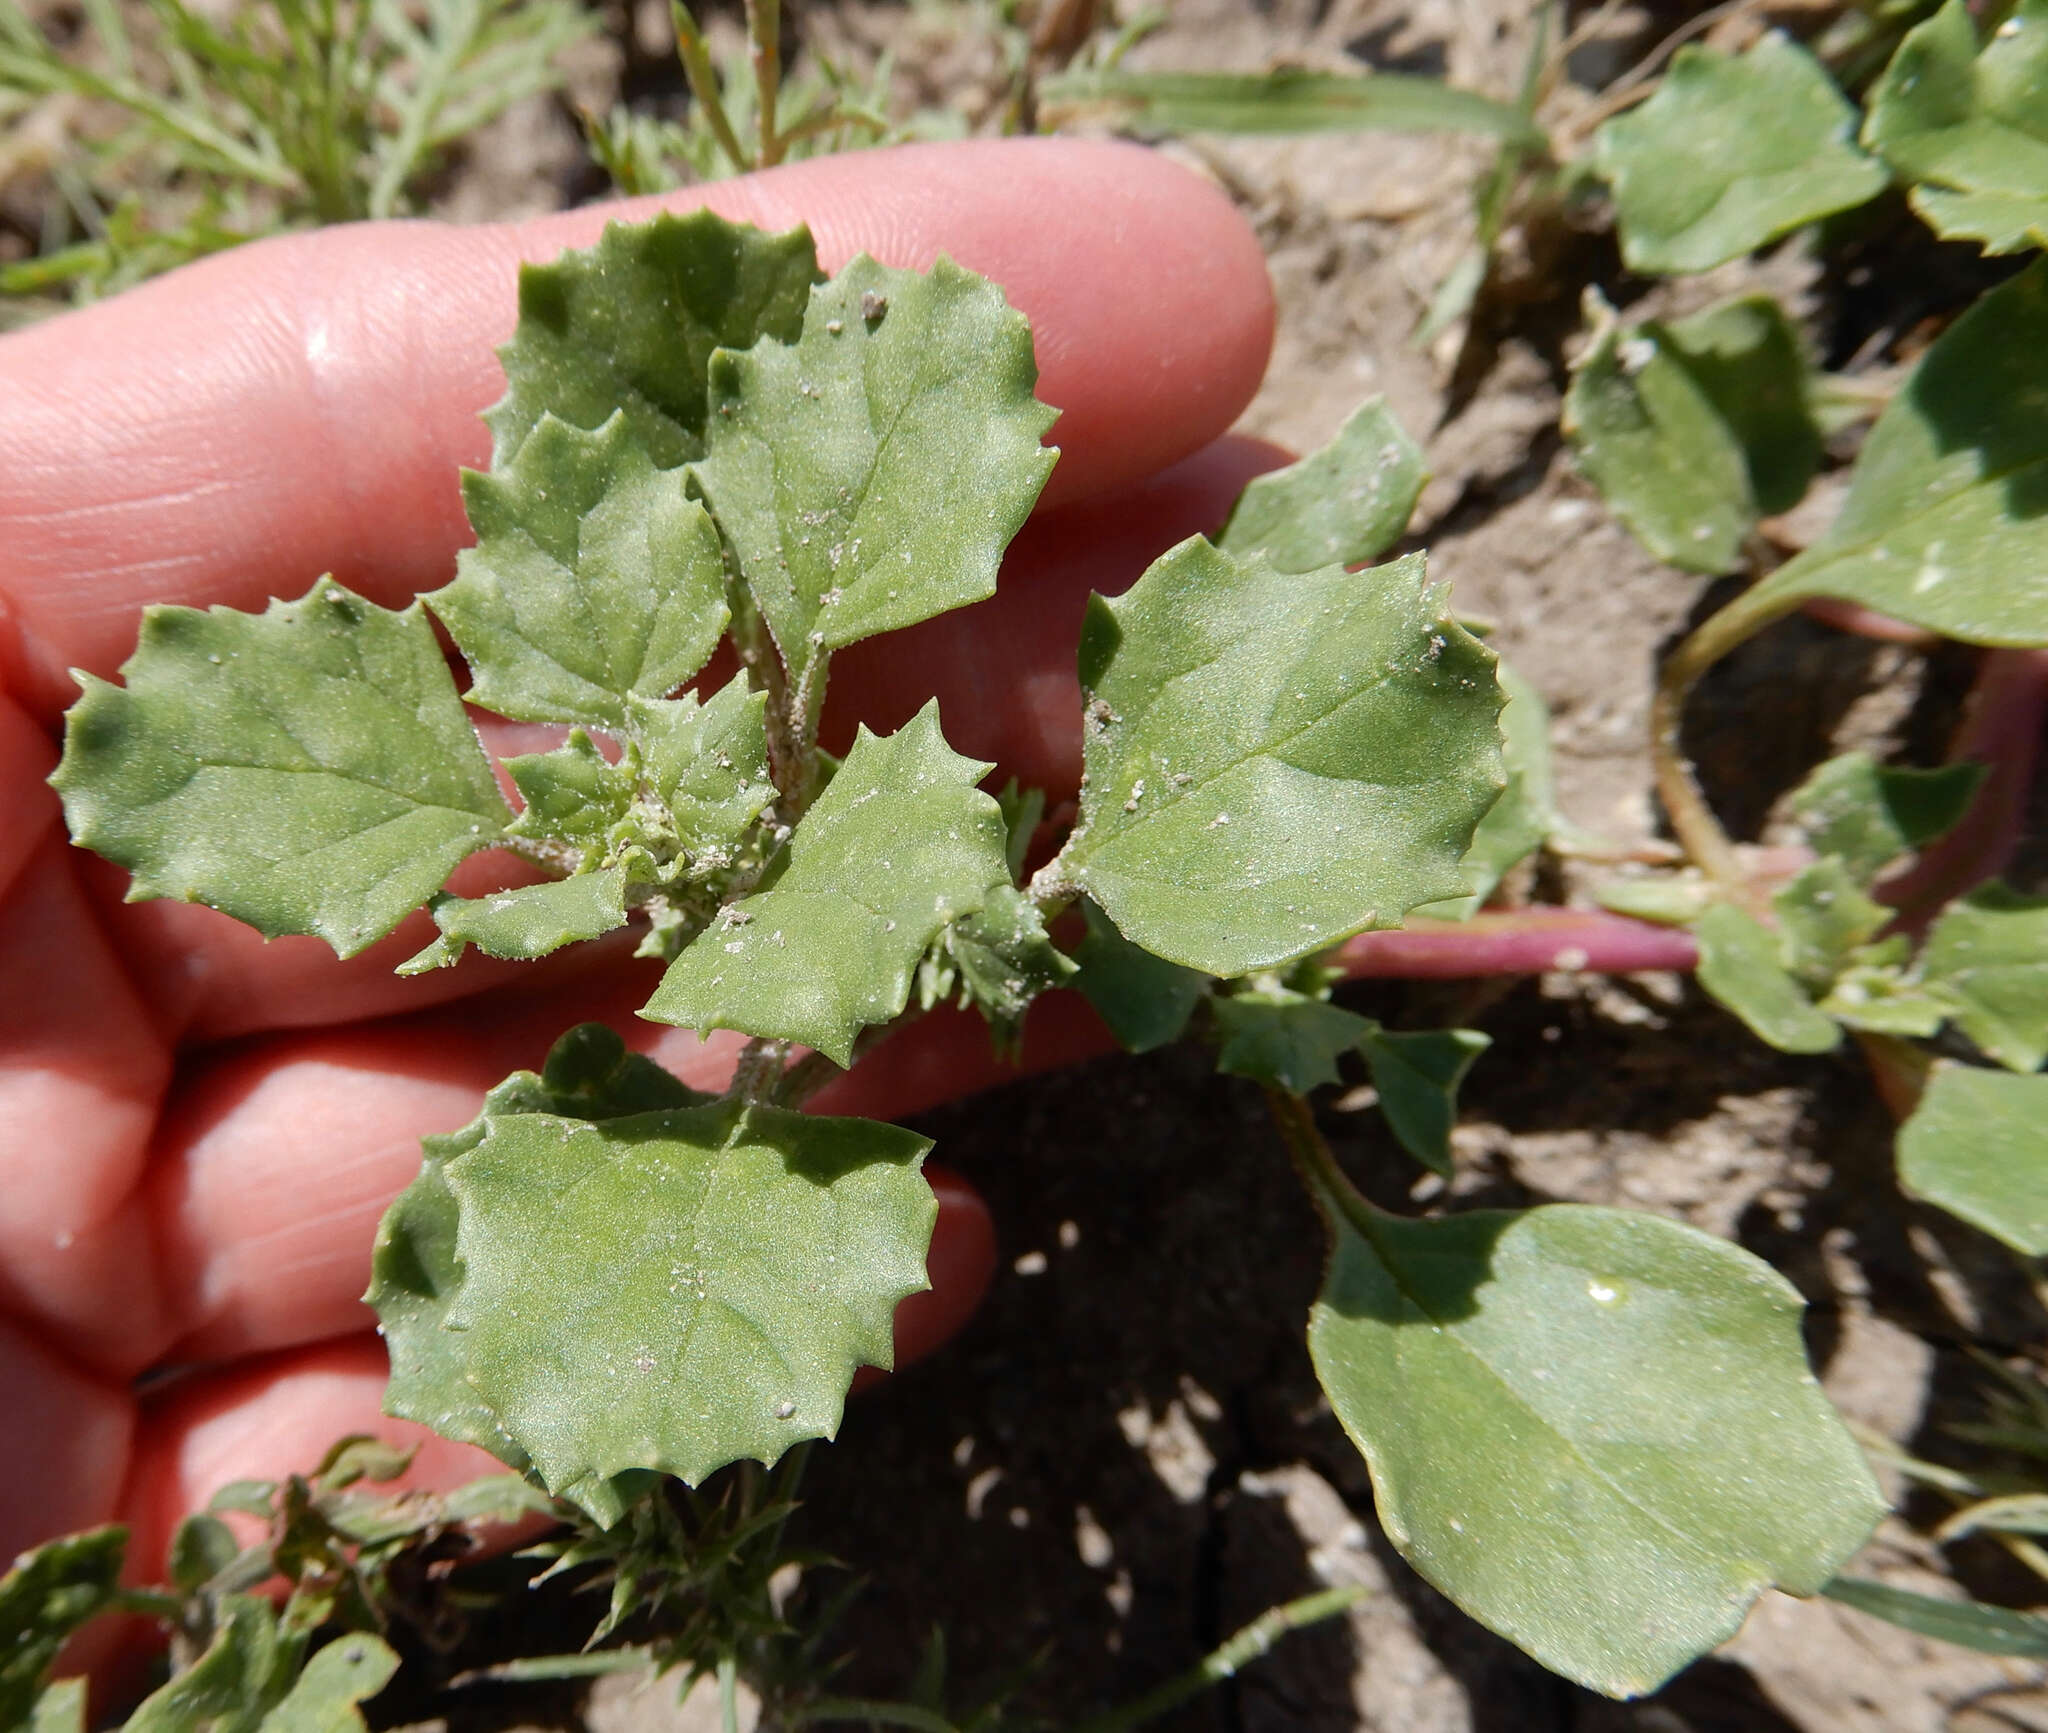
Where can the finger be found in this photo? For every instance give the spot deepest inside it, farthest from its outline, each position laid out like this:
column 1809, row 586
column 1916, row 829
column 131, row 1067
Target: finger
column 301, row 405
column 279, row 1415
column 1003, row 672
column 277, row 1161
column 65, row 1448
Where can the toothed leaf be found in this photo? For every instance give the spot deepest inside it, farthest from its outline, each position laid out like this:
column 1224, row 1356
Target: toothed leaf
column 594, row 580
column 1293, row 1044
column 308, row 769
column 527, row 922
column 717, row 1272
column 1657, row 1452
column 871, row 474
column 628, row 326
column 1277, row 760
column 899, row 844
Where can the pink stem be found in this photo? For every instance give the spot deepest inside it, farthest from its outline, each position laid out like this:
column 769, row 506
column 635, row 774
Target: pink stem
column 2002, row 731
column 1518, row 942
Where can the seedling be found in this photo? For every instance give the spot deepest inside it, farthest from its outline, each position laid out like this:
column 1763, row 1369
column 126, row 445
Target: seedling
column 1594, row 1429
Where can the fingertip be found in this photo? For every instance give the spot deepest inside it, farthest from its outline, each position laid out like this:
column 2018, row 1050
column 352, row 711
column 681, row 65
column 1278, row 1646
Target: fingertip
column 960, row 1265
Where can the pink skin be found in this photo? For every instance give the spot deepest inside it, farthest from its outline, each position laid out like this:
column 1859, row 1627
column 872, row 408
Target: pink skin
column 176, row 1197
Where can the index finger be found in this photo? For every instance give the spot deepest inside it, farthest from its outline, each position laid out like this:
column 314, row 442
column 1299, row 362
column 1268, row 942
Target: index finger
column 235, row 429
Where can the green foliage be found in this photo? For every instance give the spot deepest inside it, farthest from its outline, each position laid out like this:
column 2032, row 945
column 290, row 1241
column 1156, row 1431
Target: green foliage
column 900, row 844
column 1971, row 127
column 524, row 923
column 1731, row 152
column 1287, row 100
column 998, row 960
column 244, row 1673
column 1658, row 1453
column 628, row 327
column 1525, row 816
column 1417, row 1075
column 1977, row 1145
column 1742, row 964
column 870, row 474
column 275, row 116
column 1252, row 794
column 306, row 770
column 1145, row 1000
column 334, row 1682
column 1943, row 526
column 594, row 579
column 1695, row 429
column 718, row 1272
column 49, row 1594
column 1342, row 505
column 1969, row 1624
column 1867, row 814
column 1988, row 957
column 1285, row 1040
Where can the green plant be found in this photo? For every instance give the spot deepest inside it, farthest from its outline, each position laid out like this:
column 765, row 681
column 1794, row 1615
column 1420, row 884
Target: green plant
column 609, row 1278
column 286, row 114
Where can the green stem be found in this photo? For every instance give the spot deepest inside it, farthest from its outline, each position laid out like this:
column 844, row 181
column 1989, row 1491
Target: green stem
column 703, row 77
column 1693, row 822
column 1327, row 1183
column 729, row 1692
column 878, row 1714
column 1223, row 1662
column 764, row 26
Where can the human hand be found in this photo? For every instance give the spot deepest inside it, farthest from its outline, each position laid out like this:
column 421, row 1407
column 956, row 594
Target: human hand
column 198, row 1130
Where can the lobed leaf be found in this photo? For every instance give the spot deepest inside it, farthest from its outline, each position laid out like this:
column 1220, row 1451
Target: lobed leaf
column 1657, row 1452
column 306, row 770
column 870, row 474
column 1695, row 428
column 717, row 1272
column 1946, row 522
column 527, row 922
column 593, row 581
column 1276, row 760
column 1291, row 1043
column 415, row 1272
column 708, row 765
column 900, row 843
column 1973, row 124
column 1988, row 956
column 1417, row 1075
column 572, row 794
column 1342, row 505
column 1145, row 1000
column 628, row 327
column 1742, row 967
column 48, row 1594
column 1977, row 1145
column 1868, row 814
